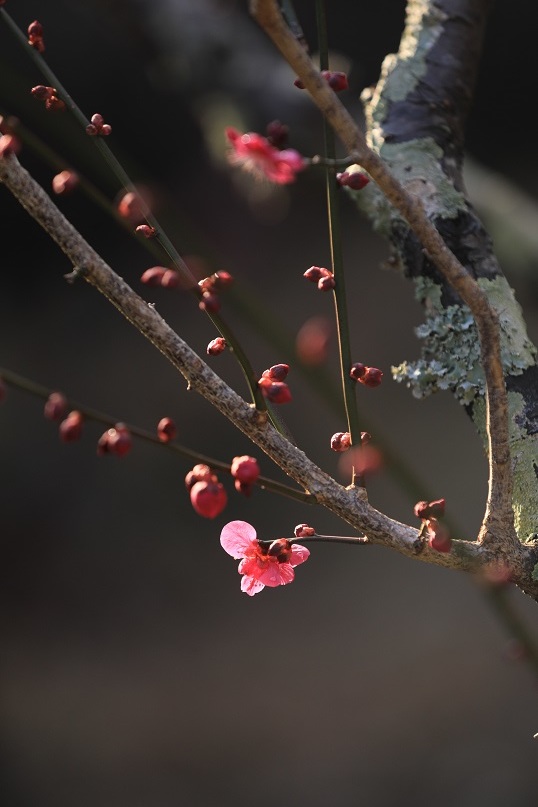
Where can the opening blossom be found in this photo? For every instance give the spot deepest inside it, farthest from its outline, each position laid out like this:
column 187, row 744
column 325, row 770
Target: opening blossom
column 261, row 564
column 255, row 153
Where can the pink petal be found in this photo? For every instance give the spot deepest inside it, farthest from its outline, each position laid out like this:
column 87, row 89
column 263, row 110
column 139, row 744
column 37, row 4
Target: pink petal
column 298, row 554
column 276, row 574
column 251, row 586
column 285, row 573
column 249, row 566
column 237, row 537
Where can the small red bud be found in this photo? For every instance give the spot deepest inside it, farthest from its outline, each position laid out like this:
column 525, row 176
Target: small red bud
column 276, row 392
column 130, row 206
column 115, row 441
column 372, row 377
column 341, row 441
column 280, row 549
column 355, row 180
column 65, row 182
column 42, row 93
column 365, row 438
column 200, row 473
column 166, row 430
column 153, row 276
column 303, row 531
column 35, row 29
column 54, row 104
column 438, row 537
column 326, row 283
column 70, row 429
column 223, row 279
column 336, row 80
column 209, row 302
column 91, row 130
column 216, row 346
column 299, row 84
column 277, row 372
column 357, row 371
column 435, row 509
column 97, row 120
column 245, row 469
column 315, row 273
column 55, row 406
column 146, row 230
column 105, row 129
column 171, row 279
column 277, row 134
column 208, row 498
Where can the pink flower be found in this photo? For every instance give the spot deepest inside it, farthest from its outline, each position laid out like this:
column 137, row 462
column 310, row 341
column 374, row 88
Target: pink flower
column 256, row 154
column 261, row 564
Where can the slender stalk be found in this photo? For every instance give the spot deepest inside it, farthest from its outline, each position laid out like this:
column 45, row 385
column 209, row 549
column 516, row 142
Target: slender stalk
column 337, row 259
column 40, row 391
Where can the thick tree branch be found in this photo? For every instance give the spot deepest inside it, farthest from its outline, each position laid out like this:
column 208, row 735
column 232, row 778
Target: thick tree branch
column 347, row 503
column 498, row 519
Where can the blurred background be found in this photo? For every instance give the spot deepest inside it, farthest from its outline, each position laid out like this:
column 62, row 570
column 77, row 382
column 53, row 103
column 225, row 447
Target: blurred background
column 133, row 672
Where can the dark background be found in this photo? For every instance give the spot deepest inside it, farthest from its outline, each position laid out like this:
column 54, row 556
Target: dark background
column 133, row 671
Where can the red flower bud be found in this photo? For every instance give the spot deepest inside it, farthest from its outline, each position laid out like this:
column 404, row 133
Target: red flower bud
column 341, row 441
column 208, row 498
column 355, row 180
column 326, row 283
column 54, row 104
column 55, row 406
column 336, row 80
column 153, row 276
column 223, row 279
column 277, row 134
column 372, row 377
column 216, row 346
column 434, row 509
column 315, row 273
column 209, row 302
column 438, row 537
column 115, row 441
column 280, row 549
column 303, row 531
column 146, row 230
column 70, row 429
column 275, row 391
column 130, row 206
column 42, row 93
column 35, row 29
column 200, row 473
column 171, row 279
column 245, row 469
column 166, row 430
column 277, row 372
column 357, row 371
column 65, row 182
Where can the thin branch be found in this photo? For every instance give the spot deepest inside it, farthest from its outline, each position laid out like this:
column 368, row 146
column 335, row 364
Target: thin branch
column 350, row 504
column 498, row 526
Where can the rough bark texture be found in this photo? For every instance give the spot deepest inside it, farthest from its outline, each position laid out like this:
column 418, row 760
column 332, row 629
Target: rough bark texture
column 416, row 116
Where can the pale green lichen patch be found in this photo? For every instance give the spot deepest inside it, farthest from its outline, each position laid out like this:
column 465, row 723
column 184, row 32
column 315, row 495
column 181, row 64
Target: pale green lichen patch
column 401, row 72
column 451, row 353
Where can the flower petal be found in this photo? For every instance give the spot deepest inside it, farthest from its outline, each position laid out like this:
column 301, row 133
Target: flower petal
column 251, row 586
column 276, row 574
column 298, row 554
column 237, row 538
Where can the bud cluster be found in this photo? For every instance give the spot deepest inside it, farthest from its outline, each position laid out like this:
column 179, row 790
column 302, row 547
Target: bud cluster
column 369, row 376
column 35, row 36
column 273, row 386
column 97, row 126
column 428, row 512
column 336, row 80
column 49, row 95
column 323, row 277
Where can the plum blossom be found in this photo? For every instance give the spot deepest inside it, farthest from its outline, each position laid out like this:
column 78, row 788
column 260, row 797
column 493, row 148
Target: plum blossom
column 255, row 153
column 261, row 564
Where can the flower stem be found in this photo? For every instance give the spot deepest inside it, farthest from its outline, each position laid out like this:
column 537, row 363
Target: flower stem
column 40, row 391
column 335, row 237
